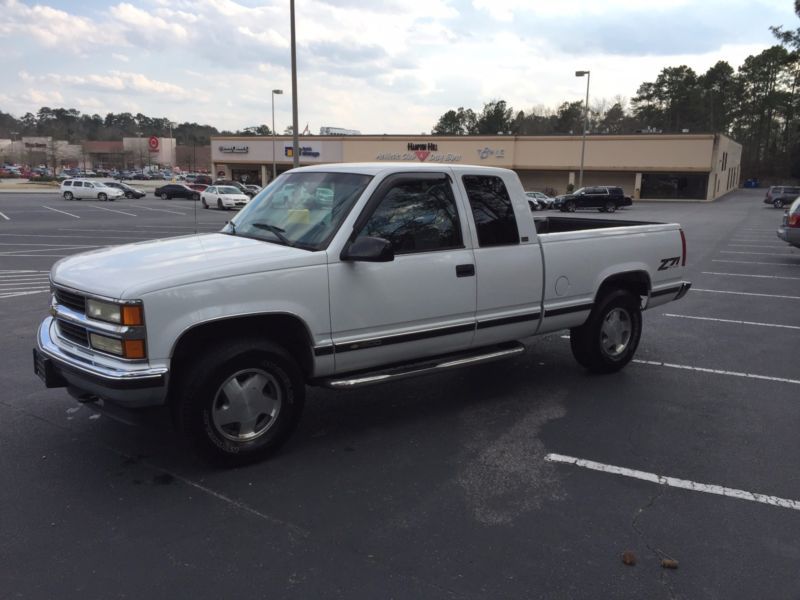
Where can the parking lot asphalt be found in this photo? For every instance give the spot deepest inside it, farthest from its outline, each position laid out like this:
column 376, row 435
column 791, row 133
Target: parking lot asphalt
column 522, row 479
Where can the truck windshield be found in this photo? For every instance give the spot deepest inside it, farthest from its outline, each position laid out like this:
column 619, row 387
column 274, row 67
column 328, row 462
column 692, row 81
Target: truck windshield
column 305, row 208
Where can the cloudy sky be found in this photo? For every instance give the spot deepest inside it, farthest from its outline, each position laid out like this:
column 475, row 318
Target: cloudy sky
column 379, row 66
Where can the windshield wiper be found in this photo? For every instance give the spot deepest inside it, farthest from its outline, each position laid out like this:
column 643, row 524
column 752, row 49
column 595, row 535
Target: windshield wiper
column 274, row 229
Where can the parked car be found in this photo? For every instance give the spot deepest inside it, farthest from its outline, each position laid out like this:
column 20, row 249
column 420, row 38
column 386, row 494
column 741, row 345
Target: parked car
column 781, row 195
column 230, row 182
column 128, row 191
column 78, row 189
column 542, row 200
column 253, row 188
column 789, row 231
column 176, row 190
column 223, row 197
column 197, row 187
column 602, row 197
column 141, row 177
column 379, row 285
column 205, row 179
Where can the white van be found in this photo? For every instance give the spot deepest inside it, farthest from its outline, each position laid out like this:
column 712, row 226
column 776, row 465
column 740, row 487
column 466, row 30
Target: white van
column 76, row 189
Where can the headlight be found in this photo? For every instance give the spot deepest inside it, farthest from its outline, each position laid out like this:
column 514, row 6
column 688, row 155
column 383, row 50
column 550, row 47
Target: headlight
column 125, row 348
column 122, row 314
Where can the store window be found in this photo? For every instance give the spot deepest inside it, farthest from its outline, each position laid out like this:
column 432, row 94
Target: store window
column 689, row 186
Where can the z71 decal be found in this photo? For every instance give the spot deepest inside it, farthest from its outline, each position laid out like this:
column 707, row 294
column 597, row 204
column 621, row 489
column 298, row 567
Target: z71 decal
column 668, row 263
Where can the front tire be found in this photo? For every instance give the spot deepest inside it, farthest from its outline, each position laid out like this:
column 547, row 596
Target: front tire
column 241, row 401
column 68, row 196
column 203, row 200
column 609, row 338
column 102, row 197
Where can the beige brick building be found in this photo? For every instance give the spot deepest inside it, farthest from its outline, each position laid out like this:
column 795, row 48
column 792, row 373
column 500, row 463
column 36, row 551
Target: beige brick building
column 646, row 166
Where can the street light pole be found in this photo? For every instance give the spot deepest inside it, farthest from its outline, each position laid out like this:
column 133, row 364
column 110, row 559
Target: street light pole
column 295, row 144
column 585, row 121
column 274, row 168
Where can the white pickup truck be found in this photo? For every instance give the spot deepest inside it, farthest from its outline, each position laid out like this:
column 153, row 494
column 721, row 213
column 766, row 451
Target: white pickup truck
column 344, row 276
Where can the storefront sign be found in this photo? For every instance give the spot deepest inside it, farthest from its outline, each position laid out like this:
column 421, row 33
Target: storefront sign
column 420, row 155
column 30, row 145
column 484, row 153
column 152, row 143
column 234, row 149
column 304, row 151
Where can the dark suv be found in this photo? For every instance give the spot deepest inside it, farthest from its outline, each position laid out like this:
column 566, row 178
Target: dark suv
column 605, row 198
column 781, row 195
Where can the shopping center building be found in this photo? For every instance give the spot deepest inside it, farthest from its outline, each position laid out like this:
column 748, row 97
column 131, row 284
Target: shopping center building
column 646, row 166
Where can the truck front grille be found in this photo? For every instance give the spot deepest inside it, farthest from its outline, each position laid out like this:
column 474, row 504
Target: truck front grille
column 73, row 333
column 71, row 300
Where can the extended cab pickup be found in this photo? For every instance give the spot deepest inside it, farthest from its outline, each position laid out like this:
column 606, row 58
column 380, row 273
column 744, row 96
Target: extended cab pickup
column 344, row 276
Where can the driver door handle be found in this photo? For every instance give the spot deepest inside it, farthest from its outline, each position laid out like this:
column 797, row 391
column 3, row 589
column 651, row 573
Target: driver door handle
column 465, row 270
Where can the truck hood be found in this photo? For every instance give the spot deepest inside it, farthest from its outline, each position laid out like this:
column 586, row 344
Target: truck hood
column 132, row 270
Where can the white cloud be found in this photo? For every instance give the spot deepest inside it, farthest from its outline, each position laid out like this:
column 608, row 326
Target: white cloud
column 144, row 24
column 120, row 57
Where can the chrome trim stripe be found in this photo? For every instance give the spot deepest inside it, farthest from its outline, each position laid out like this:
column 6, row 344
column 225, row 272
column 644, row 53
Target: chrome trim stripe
column 49, row 348
column 557, row 312
column 120, row 331
column 498, row 322
column 666, row 291
column 403, row 337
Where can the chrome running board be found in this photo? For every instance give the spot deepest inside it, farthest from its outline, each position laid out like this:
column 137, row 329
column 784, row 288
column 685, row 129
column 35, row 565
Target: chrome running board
column 436, row 365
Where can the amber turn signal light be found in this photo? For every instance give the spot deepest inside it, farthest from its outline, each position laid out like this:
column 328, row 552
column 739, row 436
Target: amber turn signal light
column 133, row 348
column 132, row 315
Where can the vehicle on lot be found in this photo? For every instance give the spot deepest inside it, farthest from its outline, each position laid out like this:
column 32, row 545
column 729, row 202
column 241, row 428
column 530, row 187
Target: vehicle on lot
column 204, row 179
column 237, row 184
column 394, row 271
column 80, row 189
column 127, row 191
column 789, row 231
column 781, row 195
column 197, row 187
column 253, row 188
column 542, row 200
column 141, row 177
column 223, row 197
column 604, row 198
column 176, row 190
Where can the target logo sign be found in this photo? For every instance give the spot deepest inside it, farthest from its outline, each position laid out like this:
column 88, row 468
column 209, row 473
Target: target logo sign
column 153, row 143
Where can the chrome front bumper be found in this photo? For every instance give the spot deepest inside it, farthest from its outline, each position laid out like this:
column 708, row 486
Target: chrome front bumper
column 132, row 385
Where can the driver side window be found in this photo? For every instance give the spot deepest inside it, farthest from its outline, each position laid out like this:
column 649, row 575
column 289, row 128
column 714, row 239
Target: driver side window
column 417, row 215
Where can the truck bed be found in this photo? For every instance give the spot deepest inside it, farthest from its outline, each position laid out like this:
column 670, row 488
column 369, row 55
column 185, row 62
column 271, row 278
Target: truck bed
column 564, row 224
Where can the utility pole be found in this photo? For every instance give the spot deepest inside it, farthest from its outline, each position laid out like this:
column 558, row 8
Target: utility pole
column 585, row 122
column 295, row 143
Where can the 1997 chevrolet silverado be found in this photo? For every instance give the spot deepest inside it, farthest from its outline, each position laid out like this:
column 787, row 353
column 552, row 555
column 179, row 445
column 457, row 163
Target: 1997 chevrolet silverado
column 342, row 276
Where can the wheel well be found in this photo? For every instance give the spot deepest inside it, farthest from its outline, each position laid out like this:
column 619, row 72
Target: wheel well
column 636, row 282
column 286, row 330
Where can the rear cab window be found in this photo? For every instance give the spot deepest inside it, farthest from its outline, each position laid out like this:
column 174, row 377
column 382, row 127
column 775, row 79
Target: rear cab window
column 492, row 210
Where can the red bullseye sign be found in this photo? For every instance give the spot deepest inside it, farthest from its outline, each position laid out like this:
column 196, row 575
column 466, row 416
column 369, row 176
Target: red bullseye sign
column 153, row 143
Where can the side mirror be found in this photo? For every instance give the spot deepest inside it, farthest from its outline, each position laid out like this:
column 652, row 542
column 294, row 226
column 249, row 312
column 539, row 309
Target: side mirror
column 368, row 249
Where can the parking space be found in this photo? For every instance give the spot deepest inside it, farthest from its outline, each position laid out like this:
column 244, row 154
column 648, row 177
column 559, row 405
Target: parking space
column 527, row 478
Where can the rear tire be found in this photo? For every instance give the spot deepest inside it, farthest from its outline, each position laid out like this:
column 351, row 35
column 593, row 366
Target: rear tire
column 195, row 197
column 609, row 338
column 129, row 195
column 570, row 206
column 778, row 203
column 610, row 207
column 164, row 197
column 241, row 401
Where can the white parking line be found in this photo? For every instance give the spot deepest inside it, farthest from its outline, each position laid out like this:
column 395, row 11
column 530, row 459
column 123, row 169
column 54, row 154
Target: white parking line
column 759, row 253
column 63, row 212
column 683, row 484
column 748, row 262
column 174, row 212
column 757, row 245
column 716, row 371
column 16, row 294
column 732, row 321
column 748, row 275
column 746, row 294
column 4, row 216
column 20, row 252
column 122, row 212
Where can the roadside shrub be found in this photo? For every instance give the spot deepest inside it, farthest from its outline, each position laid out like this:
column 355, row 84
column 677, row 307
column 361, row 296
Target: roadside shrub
column 570, row 188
